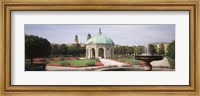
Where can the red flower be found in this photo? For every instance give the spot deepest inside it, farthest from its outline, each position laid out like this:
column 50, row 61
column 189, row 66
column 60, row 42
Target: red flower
column 142, row 63
column 99, row 64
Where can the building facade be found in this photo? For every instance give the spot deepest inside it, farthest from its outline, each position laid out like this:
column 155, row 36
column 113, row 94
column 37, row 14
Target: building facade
column 158, row 46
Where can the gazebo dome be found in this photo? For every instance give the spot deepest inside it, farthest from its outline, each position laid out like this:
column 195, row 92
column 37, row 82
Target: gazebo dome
column 99, row 46
column 100, row 39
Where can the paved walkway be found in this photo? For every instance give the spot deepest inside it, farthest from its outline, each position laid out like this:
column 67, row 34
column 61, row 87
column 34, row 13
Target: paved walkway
column 161, row 63
column 108, row 62
column 60, row 68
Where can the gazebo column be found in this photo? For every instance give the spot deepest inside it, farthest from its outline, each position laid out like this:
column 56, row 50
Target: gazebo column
column 96, row 52
column 113, row 54
column 105, row 52
column 86, row 53
column 89, row 53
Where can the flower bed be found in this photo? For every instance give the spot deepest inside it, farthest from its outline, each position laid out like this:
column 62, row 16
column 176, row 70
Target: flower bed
column 99, row 64
column 76, row 63
column 142, row 63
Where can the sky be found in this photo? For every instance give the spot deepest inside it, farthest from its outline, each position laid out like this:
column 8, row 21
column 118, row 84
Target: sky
column 125, row 34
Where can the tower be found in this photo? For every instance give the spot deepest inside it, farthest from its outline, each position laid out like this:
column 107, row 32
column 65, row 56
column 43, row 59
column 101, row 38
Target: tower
column 76, row 39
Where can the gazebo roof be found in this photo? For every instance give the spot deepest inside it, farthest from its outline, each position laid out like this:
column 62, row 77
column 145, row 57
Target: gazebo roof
column 100, row 39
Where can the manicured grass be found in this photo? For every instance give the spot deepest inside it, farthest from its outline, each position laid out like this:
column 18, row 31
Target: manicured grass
column 75, row 62
column 126, row 60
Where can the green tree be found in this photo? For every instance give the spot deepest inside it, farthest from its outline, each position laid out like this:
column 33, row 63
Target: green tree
column 129, row 50
column 116, row 50
column 171, row 54
column 36, row 47
column 171, row 50
column 123, row 50
column 77, row 49
column 83, row 51
column 152, row 49
column 139, row 50
column 63, row 49
column 161, row 50
column 55, row 49
column 71, row 50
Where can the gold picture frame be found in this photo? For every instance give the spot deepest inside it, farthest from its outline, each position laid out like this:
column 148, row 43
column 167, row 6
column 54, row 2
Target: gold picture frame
column 119, row 5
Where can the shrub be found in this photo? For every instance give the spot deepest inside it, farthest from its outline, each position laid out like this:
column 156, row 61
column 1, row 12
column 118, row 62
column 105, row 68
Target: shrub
column 90, row 63
column 136, row 62
column 98, row 60
column 65, row 64
column 51, row 58
column 62, row 58
column 27, row 62
column 123, row 60
column 171, row 62
column 43, row 63
column 43, row 60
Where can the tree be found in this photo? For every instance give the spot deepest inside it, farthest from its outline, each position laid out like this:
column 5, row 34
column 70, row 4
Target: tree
column 83, row 50
column 63, row 49
column 116, row 50
column 36, row 47
column 152, row 49
column 139, row 49
column 55, row 49
column 76, row 39
column 171, row 54
column 123, row 50
column 77, row 48
column 161, row 50
column 171, row 50
column 129, row 50
column 71, row 50
column 88, row 36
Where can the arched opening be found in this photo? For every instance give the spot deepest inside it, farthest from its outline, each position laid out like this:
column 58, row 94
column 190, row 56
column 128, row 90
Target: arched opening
column 101, row 52
column 92, row 53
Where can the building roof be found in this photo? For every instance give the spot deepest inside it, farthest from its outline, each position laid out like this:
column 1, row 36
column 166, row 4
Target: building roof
column 100, row 39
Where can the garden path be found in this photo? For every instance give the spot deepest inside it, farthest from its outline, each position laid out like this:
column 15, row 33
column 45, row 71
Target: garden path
column 161, row 63
column 108, row 62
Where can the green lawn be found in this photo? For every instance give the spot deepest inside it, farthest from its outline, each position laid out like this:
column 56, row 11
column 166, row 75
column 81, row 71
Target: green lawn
column 75, row 62
column 126, row 60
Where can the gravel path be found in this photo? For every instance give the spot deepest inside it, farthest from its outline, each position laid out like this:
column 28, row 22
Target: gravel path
column 59, row 68
column 108, row 62
column 161, row 63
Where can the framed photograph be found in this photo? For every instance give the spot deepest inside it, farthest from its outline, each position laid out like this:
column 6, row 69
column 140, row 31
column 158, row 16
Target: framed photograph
column 100, row 47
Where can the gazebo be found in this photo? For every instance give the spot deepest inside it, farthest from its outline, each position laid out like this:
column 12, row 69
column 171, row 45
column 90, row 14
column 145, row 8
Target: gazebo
column 99, row 46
